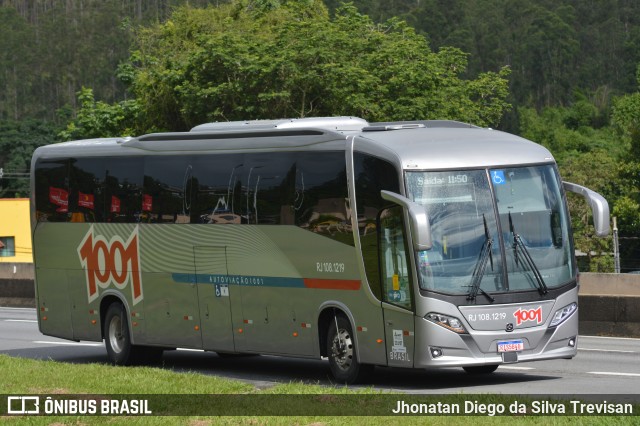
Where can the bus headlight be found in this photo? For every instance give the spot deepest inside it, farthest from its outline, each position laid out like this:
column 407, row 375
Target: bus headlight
column 562, row 314
column 450, row 323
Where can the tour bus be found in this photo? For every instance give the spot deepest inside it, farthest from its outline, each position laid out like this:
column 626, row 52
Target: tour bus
column 419, row 244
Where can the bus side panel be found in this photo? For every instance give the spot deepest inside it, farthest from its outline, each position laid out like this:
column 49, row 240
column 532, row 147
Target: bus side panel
column 215, row 296
column 85, row 317
column 54, row 315
column 52, row 243
column 275, row 311
column 166, row 308
column 171, row 313
column 276, row 320
column 76, row 263
column 277, row 279
column 326, row 275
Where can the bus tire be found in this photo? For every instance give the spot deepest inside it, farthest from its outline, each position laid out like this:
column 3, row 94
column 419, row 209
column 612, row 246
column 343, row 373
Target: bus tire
column 341, row 350
column 481, row 369
column 117, row 338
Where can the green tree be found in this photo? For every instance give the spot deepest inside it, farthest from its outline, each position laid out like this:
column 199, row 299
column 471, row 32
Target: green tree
column 18, row 140
column 601, row 176
column 587, row 156
column 49, row 49
column 97, row 119
column 626, row 121
column 249, row 61
column 15, row 77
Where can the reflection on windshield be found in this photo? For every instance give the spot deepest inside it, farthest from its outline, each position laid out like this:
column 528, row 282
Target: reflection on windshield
column 531, row 197
column 459, row 203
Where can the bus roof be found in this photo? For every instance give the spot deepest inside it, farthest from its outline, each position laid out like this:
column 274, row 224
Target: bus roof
column 436, row 144
column 451, row 148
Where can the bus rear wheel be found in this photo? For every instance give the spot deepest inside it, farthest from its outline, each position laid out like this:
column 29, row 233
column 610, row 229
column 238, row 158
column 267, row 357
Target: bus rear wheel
column 117, row 340
column 481, row 369
column 116, row 335
column 341, row 350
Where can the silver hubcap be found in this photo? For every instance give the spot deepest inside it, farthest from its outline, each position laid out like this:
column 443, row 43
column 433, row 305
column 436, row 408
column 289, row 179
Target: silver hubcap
column 342, row 350
column 116, row 339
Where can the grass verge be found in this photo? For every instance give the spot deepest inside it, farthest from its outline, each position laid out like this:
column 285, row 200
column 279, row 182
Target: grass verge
column 30, row 377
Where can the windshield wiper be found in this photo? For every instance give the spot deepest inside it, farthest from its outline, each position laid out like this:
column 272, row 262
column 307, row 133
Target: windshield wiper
column 528, row 260
column 478, row 270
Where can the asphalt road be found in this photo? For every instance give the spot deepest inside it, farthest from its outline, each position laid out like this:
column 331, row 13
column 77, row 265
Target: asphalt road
column 604, row 366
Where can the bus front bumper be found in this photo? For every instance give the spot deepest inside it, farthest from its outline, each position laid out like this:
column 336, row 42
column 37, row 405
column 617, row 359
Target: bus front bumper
column 481, row 347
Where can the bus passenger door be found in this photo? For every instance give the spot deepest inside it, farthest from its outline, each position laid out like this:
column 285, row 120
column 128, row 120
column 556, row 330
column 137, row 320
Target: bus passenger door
column 214, row 295
column 397, row 296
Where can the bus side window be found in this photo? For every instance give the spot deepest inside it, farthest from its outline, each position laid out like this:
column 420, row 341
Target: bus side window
column 269, row 186
column 216, row 187
column 123, row 189
column 86, row 198
column 394, row 262
column 167, row 182
column 319, row 195
column 52, row 190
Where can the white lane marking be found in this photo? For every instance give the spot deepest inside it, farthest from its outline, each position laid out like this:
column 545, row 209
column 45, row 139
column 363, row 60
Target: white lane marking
column 190, row 350
column 610, row 373
column 17, row 320
column 66, row 343
column 505, row 367
column 607, row 337
column 607, row 350
column 7, row 308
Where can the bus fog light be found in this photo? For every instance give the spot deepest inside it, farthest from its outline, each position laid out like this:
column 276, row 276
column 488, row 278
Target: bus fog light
column 562, row 314
column 450, row 323
column 572, row 342
column 436, row 352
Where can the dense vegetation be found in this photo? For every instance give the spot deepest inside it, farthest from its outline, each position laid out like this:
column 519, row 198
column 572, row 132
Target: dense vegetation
column 561, row 72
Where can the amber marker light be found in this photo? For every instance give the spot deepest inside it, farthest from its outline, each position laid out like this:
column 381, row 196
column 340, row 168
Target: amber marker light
column 379, row 341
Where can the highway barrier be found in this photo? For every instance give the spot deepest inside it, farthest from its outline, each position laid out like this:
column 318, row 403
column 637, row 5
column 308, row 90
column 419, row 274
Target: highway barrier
column 610, row 305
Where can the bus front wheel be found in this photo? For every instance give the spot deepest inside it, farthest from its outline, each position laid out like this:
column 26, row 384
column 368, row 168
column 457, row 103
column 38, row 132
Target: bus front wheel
column 341, row 350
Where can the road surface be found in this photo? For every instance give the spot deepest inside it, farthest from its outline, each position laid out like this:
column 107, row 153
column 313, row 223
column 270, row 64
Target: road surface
column 604, row 366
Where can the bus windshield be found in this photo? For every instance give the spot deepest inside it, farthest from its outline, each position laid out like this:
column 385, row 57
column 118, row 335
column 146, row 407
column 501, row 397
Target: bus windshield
column 493, row 230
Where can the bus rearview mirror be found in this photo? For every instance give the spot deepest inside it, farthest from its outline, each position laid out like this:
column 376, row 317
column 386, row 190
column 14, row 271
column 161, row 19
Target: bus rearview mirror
column 418, row 220
column 598, row 204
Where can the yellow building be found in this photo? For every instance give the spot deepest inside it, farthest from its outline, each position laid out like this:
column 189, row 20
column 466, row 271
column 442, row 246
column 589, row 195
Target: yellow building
column 15, row 231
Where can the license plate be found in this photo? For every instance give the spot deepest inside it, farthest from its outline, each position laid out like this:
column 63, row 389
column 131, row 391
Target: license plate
column 511, row 346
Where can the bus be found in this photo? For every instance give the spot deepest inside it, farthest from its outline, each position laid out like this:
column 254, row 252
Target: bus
column 417, row 244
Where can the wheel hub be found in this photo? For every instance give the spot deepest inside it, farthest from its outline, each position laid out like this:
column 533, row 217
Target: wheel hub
column 342, row 350
column 116, row 339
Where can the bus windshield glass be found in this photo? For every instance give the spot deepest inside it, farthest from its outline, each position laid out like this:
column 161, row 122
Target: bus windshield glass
column 493, row 230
